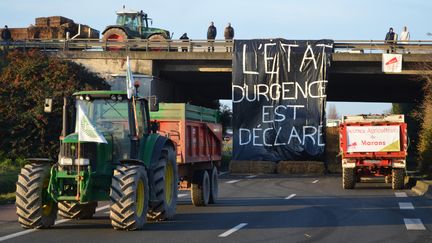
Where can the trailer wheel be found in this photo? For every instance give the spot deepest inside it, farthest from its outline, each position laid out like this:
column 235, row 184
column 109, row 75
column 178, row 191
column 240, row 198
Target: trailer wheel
column 397, row 179
column 129, row 197
column 214, row 185
column 200, row 192
column 33, row 206
column 348, row 178
column 74, row 210
column 166, row 187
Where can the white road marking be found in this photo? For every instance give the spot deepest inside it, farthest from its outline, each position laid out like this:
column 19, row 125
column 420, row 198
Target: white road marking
column 401, row 194
column 228, row 232
column 315, row 181
column 182, row 195
column 14, row 235
column 250, row 176
column 406, row 205
column 414, row 224
column 232, row 181
column 291, row 196
column 223, row 173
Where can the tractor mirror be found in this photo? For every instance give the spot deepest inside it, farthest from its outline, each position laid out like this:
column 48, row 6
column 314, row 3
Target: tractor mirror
column 48, row 105
column 153, row 103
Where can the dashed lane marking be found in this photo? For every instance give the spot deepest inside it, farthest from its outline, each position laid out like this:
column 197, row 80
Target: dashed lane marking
column 406, row 205
column 414, row 224
column 315, row 181
column 182, row 195
column 223, row 173
column 232, row 230
column 290, row 196
column 250, row 176
column 232, row 181
column 14, row 235
column 401, row 194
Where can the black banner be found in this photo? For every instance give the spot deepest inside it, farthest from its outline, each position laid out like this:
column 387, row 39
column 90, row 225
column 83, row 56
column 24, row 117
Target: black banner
column 279, row 95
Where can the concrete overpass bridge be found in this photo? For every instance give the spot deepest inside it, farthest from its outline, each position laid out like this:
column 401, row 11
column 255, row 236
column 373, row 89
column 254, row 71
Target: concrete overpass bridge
column 355, row 75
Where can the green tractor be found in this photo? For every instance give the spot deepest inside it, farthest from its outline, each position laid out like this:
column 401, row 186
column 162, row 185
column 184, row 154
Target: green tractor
column 135, row 169
column 133, row 24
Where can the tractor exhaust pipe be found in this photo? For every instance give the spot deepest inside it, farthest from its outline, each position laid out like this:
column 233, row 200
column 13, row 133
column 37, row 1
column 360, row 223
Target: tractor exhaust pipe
column 64, row 122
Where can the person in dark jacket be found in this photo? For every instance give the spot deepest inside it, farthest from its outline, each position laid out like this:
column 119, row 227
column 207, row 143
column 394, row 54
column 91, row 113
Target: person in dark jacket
column 390, row 39
column 184, row 38
column 6, row 36
column 211, row 35
column 229, row 36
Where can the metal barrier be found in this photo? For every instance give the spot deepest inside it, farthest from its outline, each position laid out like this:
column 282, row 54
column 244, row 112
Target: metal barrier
column 350, row 46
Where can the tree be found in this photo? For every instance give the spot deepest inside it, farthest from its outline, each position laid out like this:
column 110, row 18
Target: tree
column 26, row 79
column 225, row 116
column 332, row 112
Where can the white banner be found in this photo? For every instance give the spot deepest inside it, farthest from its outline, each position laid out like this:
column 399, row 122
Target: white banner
column 392, row 63
column 373, row 138
column 85, row 129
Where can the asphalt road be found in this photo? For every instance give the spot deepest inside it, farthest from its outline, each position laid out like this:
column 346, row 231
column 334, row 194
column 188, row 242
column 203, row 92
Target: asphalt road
column 262, row 209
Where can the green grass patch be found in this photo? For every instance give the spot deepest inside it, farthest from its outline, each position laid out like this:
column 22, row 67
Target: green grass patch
column 7, row 198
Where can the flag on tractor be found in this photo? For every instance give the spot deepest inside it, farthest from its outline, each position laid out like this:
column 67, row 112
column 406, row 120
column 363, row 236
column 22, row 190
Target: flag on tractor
column 86, row 131
column 129, row 79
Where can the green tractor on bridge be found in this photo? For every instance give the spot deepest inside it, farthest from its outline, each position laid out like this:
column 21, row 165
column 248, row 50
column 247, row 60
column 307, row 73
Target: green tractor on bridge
column 133, row 167
column 133, row 24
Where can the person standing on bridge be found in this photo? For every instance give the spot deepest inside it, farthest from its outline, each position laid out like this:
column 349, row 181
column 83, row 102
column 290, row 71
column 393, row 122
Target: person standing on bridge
column 391, row 38
column 6, row 36
column 229, row 36
column 211, row 36
column 404, row 37
column 184, row 38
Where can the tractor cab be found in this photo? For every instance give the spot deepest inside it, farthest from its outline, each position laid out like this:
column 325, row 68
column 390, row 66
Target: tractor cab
column 113, row 116
column 134, row 20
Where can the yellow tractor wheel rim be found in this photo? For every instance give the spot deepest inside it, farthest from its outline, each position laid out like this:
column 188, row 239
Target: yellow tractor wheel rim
column 140, row 198
column 47, row 209
column 169, row 180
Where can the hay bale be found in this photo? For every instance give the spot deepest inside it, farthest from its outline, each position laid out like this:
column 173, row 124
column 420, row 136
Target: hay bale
column 255, row 167
column 300, row 167
column 42, row 22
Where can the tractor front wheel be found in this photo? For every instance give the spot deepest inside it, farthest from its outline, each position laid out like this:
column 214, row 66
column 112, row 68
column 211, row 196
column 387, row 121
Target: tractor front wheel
column 129, row 197
column 74, row 210
column 33, row 204
column 165, row 178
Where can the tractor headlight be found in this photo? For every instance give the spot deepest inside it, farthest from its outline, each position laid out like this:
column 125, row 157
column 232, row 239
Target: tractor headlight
column 68, row 161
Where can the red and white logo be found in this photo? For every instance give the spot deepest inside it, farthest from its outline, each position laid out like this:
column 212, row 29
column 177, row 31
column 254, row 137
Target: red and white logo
column 392, row 63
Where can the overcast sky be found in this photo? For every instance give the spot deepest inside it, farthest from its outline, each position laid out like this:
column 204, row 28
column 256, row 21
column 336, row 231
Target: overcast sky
column 290, row 19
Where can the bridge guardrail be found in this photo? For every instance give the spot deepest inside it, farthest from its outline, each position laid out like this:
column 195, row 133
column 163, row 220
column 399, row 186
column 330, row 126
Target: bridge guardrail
column 351, row 46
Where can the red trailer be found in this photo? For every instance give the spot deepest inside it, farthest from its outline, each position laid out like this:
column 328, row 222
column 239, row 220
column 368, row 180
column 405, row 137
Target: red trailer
column 373, row 145
column 198, row 138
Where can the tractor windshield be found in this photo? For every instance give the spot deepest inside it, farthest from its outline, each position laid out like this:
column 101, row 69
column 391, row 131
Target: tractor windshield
column 132, row 21
column 111, row 119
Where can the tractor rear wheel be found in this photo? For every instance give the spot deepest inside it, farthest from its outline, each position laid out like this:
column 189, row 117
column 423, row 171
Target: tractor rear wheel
column 114, row 35
column 166, row 187
column 348, row 178
column 200, row 188
column 34, row 208
column 397, row 179
column 74, row 210
column 129, row 197
column 214, row 185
